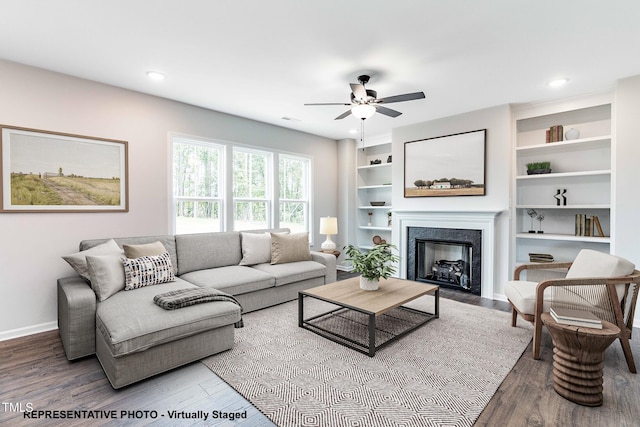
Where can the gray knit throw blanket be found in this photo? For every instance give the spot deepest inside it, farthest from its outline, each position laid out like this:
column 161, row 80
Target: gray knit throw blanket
column 185, row 297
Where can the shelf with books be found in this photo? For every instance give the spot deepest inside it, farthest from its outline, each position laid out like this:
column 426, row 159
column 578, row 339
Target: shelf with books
column 580, row 182
column 563, row 237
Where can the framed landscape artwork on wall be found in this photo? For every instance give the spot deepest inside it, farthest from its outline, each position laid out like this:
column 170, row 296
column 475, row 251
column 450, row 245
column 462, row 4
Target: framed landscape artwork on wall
column 43, row 171
column 451, row 165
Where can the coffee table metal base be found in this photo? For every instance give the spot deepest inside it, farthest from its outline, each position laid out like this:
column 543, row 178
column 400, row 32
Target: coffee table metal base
column 371, row 348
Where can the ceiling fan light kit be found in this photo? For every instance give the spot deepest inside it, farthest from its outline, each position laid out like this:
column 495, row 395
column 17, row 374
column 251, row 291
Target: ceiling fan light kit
column 363, row 111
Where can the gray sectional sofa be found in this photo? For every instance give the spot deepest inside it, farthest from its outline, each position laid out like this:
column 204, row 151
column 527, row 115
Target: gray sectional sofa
column 134, row 338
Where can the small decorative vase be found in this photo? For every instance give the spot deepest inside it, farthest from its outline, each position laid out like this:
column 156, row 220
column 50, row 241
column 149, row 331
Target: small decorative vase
column 369, row 285
column 572, row 134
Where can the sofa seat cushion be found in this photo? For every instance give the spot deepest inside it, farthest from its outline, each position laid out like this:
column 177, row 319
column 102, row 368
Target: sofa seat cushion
column 233, row 279
column 130, row 321
column 293, row 271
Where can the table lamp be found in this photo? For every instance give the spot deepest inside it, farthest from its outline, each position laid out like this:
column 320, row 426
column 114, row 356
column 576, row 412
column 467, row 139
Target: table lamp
column 328, row 226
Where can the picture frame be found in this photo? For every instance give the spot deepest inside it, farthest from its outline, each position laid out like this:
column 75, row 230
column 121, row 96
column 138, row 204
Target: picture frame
column 43, row 171
column 450, row 165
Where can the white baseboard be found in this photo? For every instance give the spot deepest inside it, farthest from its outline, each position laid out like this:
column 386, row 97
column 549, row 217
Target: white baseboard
column 29, row 330
column 500, row 297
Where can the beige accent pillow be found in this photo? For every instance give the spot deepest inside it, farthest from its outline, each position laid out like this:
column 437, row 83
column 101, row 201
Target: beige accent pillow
column 106, row 273
column 79, row 261
column 147, row 249
column 290, row 248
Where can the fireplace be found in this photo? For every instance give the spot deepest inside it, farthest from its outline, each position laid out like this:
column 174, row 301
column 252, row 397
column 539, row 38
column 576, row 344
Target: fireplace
column 448, row 257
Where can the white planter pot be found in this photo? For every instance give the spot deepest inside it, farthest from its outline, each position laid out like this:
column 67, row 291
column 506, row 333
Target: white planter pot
column 369, row 285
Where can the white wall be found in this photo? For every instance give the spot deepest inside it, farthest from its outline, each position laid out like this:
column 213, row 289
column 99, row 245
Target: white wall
column 497, row 121
column 627, row 173
column 31, row 244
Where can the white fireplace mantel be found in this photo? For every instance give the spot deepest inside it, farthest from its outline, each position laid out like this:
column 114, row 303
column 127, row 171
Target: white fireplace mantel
column 471, row 220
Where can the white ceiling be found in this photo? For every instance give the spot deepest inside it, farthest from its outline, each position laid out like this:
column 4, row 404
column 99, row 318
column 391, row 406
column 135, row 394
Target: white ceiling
column 263, row 59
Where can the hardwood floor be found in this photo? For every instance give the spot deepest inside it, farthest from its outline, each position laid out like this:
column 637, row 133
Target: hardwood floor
column 34, row 371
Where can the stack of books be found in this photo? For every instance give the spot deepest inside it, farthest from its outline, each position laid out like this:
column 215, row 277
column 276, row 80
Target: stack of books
column 554, row 134
column 572, row 317
column 540, row 257
column 588, row 226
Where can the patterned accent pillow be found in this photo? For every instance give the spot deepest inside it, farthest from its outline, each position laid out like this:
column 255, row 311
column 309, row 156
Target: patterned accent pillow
column 147, row 271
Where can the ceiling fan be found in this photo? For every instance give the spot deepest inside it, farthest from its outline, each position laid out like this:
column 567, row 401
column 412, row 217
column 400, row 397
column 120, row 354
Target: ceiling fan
column 365, row 102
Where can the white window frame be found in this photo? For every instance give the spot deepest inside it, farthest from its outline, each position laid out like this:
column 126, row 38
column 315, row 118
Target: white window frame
column 269, row 198
column 221, row 199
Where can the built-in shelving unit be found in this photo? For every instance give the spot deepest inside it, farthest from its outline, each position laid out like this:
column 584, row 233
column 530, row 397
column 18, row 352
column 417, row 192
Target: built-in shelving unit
column 374, row 185
column 580, row 166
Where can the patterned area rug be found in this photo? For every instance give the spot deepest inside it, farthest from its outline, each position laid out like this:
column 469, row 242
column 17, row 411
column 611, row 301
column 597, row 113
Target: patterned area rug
column 443, row 373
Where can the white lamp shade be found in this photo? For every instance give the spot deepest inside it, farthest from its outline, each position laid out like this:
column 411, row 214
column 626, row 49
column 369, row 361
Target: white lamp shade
column 328, row 226
column 363, row 111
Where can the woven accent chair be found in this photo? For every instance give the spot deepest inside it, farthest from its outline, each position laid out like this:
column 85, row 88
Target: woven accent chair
column 604, row 284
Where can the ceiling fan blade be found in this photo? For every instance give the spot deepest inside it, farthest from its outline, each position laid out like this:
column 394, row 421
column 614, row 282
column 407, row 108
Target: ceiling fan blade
column 343, row 115
column 387, row 111
column 358, row 91
column 401, row 98
column 330, row 103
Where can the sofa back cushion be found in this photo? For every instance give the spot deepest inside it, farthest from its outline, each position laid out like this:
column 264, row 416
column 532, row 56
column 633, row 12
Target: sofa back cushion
column 207, row 250
column 168, row 241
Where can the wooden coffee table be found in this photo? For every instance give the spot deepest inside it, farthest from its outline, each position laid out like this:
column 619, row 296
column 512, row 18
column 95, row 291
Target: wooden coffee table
column 356, row 311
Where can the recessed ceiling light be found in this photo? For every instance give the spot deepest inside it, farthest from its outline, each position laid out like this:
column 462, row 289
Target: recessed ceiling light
column 353, row 131
column 155, row 75
column 558, row 82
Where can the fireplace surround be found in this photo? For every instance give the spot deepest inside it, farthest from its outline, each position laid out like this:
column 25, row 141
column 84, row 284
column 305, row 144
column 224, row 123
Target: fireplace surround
column 484, row 221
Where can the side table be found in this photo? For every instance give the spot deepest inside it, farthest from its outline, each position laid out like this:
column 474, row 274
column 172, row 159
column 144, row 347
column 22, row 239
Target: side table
column 578, row 359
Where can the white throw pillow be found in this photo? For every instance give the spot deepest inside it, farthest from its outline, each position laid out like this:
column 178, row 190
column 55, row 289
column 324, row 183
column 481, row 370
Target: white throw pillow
column 256, row 248
column 106, row 273
column 79, row 261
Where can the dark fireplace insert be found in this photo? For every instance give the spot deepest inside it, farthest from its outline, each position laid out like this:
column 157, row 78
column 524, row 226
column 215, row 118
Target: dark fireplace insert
column 446, row 257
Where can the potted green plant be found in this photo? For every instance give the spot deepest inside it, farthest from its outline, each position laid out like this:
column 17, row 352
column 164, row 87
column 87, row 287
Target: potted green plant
column 373, row 264
column 538, row 168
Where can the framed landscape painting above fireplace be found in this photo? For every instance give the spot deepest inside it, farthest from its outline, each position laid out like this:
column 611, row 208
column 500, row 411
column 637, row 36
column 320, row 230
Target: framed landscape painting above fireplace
column 42, row 171
column 451, row 165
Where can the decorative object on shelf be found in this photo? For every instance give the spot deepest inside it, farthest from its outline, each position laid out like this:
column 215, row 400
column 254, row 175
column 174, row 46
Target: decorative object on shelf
column 389, row 219
column 375, row 162
column 460, row 157
column 328, row 226
column 370, row 219
column 44, row 171
column 572, row 134
column 540, row 218
column 561, row 195
column 538, row 168
column 532, row 213
column 389, row 159
column 554, row 134
column 377, row 240
column 377, row 203
column 374, row 264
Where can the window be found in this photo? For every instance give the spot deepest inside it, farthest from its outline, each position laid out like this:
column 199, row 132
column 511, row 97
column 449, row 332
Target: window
column 218, row 186
column 198, row 171
column 294, row 193
column 251, row 185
